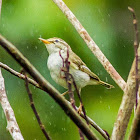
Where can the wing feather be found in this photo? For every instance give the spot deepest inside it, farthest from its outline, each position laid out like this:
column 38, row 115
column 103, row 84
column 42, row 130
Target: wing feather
column 78, row 64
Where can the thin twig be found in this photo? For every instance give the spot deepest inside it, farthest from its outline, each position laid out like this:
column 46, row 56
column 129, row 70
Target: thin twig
column 46, row 86
column 42, row 127
column 12, row 125
column 31, row 81
column 136, row 45
column 65, row 69
column 92, row 123
column 21, row 76
column 135, row 129
column 68, row 77
column 91, row 44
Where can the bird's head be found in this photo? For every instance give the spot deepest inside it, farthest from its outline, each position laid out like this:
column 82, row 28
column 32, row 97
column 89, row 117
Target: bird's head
column 55, row 44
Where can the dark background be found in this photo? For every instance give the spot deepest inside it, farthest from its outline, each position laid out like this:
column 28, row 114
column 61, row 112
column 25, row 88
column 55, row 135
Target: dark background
column 108, row 22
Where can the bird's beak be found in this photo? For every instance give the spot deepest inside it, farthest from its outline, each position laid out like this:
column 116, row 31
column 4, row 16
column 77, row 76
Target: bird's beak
column 44, row 41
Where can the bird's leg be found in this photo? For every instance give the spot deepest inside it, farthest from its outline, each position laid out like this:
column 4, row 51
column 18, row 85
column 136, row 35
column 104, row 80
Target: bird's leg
column 79, row 110
column 63, row 94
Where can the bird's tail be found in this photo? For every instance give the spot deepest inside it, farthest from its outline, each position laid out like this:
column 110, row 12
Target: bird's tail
column 106, row 85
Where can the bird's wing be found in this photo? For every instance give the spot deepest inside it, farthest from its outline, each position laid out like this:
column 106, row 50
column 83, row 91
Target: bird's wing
column 78, row 64
column 75, row 61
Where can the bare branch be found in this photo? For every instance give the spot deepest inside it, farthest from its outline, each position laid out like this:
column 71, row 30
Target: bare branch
column 70, row 80
column 46, row 86
column 21, row 76
column 91, row 44
column 34, row 108
column 12, row 125
column 135, row 129
column 31, row 81
column 136, row 45
column 126, row 107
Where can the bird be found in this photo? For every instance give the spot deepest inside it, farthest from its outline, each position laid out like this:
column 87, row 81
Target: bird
column 83, row 76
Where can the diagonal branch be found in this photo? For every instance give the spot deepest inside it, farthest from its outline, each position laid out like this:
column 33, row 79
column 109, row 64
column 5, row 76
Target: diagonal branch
column 12, row 125
column 31, row 81
column 46, row 86
column 34, row 108
column 21, row 76
column 126, row 107
column 135, row 129
column 136, row 45
column 91, row 44
column 68, row 77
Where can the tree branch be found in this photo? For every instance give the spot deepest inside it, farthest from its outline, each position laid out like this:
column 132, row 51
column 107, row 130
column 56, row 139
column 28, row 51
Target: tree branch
column 129, row 96
column 12, row 125
column 135, row 129
column 91, row 44
column 126, row 107
column 31, row 81
column 17, row 74
column 46, row 86
column 34, row 108
column 68, row 77
column 136, row 45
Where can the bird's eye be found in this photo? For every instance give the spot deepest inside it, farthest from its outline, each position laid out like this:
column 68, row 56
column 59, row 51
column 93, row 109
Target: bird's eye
column 56, row 41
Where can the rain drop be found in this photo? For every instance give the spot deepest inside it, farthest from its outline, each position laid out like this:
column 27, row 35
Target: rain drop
column 109, row 15
column 52, row 107
column 50, row 123
column 106, row 79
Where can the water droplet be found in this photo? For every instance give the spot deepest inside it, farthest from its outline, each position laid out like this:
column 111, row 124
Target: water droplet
column 106, row 79
column 51, row 113
column 52, row 107
column 34, row 118
column 109, row 15
column 100, row 97
column 19, row 82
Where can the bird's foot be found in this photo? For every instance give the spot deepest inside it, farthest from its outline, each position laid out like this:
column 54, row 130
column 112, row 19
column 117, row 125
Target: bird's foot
column 79, row 110
column 63, row 94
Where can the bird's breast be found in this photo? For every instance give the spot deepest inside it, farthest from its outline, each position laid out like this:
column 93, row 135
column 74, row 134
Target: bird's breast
column 55, row 65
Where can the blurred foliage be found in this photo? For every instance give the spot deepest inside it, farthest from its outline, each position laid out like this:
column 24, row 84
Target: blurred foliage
column 110, row 25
